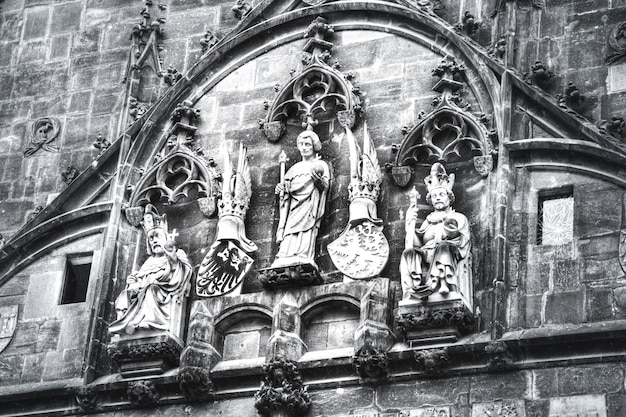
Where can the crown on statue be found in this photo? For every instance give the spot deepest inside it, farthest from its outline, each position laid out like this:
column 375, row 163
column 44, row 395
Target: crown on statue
column 438, row 178
column 230, row 205
column 152, row 220
column 364, row 189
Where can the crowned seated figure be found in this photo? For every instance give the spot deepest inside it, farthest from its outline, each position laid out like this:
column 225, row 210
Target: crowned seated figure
column 153, row 297
column 436, row 262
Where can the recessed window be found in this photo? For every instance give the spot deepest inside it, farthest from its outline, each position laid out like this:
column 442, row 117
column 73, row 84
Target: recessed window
column 76, row 280
column 556, row 218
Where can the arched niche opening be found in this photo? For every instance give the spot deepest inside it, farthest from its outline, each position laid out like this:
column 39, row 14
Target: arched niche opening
column 330, row 325
column 243, row 335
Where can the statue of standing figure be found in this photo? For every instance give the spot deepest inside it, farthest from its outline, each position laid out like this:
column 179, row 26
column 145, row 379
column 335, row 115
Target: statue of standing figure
column 302, row 191
column 437, row 258
column 152, row 297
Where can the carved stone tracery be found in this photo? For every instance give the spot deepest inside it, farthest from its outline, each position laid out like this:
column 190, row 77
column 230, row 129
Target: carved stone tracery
column 320, row 92
column 449, row 134
column 180, row 172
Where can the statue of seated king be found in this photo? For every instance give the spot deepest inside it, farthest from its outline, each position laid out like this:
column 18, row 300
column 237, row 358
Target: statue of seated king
column 436, row 261
column 150, row 308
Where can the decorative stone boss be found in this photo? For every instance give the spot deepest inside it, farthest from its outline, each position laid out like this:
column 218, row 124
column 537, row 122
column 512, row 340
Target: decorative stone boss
column 436, row 261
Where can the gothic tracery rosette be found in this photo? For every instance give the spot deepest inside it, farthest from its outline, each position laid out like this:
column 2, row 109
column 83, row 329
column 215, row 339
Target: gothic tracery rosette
column 449, row 134
column 320, row 92
column 179, row 171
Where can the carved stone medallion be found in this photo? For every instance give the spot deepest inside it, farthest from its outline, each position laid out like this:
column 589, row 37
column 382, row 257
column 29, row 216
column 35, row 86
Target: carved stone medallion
column 43, row 132
column 360, row 252
column 8, row 321
column 222, row 270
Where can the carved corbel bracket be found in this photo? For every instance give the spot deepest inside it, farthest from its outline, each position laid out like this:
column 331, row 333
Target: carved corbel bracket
column 142, row 393
column 195, row 382
column 86, row 398
column 290, row 276
column 282, row 390
column 432, row 361
column 371, row 363
column 449, row 134
column 319, row 93
column 499, row 355
column 179, row 171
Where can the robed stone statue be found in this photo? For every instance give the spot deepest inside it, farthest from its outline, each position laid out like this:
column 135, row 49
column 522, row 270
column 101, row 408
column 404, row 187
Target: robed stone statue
column 302, row 193
column 152, row 297
column 437, row 259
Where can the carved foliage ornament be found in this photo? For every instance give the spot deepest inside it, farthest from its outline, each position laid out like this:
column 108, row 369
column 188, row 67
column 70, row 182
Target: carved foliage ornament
column 432, row 361
column 282, row 390
column 195, row 382
column 142, row 393
column 448, row 134
column 318, row 93
column 370, row 362
column 617, row 41
column 42, row 133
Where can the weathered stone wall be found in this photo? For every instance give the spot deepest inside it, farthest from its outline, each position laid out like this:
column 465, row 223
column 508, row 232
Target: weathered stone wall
column 68, row 59
column 595, row 390
column 50, row 338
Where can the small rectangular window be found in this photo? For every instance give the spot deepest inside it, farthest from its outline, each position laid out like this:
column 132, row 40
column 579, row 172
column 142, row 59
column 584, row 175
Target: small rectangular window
column 555, row 223
column 76, row 280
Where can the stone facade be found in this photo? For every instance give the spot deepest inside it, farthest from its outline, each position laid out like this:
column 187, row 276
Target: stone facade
column 100, row 101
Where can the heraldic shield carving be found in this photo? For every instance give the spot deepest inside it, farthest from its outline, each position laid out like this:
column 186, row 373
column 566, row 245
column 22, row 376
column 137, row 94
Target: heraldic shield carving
column 226, row 264
column 362, row 250
column 8, row 322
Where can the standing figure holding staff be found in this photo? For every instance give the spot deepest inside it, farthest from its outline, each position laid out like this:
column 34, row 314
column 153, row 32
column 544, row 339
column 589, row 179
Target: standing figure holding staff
column 302, row 190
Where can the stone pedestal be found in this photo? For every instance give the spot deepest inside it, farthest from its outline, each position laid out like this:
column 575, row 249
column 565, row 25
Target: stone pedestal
column 435, row 320
column 300, row 275
column 145, row 353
